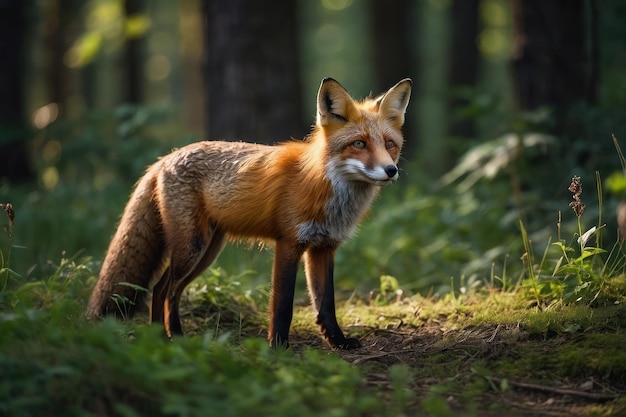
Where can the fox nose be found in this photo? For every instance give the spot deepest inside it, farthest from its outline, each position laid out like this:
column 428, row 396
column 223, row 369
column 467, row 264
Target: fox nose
column 391, row 170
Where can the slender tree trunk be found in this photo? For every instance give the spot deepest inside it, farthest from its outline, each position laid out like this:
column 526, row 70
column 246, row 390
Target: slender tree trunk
column 463, row 63
column 554, row 62
column 62, row 24
column 392, row 47
column 134, row 58
column 251, row 70
column 14, row 158
column 56, row 46
column 433, row 30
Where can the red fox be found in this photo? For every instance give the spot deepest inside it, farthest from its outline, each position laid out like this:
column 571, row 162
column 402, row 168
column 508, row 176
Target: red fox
column 306, row 196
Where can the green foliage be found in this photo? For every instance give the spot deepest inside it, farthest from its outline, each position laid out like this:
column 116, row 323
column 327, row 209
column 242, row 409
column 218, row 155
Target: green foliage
column 423, row 235
column 54, row 362
column 67, row 282
column 124, row 305
column 97, row 370
column 106, row 27
column 389, row 290
column 616, row 184
column 488, row 159
column 216, row 287
column 220, row 301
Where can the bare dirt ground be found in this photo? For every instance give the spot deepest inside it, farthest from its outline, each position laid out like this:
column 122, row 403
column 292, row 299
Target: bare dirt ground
column 450, row 364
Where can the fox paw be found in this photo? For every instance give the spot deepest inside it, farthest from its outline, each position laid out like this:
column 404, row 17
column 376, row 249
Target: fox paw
column 348, row 344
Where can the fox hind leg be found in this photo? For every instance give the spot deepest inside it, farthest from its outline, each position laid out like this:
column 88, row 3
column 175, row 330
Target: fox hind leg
column 212, row 251
column 164, row 307
column 187, row 262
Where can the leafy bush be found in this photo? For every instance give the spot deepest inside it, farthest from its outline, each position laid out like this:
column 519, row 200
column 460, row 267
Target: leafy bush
column 54, row 362
column 99, row 371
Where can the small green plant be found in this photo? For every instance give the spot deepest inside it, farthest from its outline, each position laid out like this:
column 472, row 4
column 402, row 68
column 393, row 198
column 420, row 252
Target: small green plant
column 223, row 303
column 58, row 291
column 389, row 290
column 216, row 287
column 577, row 270
column 124, row 304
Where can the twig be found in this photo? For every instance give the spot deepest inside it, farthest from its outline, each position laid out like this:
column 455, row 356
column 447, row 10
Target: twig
column 495, row 332
column 560, row 391
column 365, row 358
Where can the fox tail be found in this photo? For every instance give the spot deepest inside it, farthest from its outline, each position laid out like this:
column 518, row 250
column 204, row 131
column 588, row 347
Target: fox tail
column 134, row 258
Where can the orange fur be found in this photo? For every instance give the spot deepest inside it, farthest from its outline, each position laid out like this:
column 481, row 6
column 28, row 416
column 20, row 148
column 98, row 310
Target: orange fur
column 306, row 196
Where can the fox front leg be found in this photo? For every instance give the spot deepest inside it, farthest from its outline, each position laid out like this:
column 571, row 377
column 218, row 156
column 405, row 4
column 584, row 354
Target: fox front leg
column 286, row 261
column 319, row 265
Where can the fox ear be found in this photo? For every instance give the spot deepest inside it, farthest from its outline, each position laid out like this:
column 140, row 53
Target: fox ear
column 334, row 104
column 392, row 105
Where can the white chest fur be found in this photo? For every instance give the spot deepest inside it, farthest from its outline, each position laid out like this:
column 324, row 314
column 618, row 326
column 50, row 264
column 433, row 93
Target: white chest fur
column 350, row 200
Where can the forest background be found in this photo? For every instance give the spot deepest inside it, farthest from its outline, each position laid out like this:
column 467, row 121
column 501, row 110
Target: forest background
column 511, row 99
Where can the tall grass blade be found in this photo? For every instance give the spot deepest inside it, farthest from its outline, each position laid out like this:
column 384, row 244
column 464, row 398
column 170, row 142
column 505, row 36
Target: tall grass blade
column 622, row 160
column 530, row 260
column 599, row 191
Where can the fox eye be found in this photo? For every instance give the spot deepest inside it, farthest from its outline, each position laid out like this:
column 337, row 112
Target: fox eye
column 389, row 144
column 359, row 144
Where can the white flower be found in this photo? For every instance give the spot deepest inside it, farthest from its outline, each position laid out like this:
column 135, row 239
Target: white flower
column 582, row 241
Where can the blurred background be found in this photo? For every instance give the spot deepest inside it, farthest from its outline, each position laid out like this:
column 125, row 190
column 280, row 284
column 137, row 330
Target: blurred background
column 511, row 99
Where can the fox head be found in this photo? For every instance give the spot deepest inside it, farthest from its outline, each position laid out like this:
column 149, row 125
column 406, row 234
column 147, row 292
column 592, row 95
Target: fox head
column 364, row 139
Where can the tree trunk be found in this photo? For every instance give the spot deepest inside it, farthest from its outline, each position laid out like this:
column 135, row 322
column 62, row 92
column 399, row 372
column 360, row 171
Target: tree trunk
column 62, row 24
column 251, row 71
column 14, row 159
column 55, row 47
column 134, row 58
column 392, row 49
column 463, row 64
column 554, row 62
